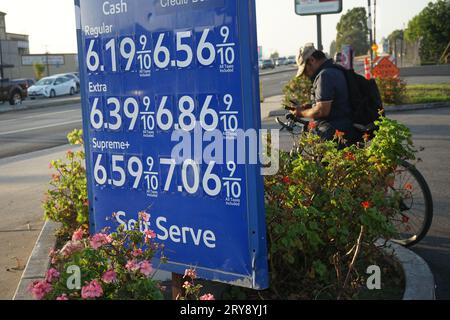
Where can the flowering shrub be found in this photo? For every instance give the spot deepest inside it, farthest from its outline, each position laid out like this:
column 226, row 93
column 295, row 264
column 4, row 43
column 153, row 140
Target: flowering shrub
column 67, row 200
column 325, row 209
column 114, row 266
column 191, row 291
column 299, row 90
column 392, row 90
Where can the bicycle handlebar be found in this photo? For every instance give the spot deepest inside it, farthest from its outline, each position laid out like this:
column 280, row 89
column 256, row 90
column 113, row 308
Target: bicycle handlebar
column 292, row 121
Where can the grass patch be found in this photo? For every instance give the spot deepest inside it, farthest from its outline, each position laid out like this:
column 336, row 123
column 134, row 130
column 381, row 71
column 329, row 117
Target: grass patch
column 427, row 93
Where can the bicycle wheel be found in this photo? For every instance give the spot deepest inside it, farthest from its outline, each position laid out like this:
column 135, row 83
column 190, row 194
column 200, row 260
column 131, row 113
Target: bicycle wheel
column 415, row 204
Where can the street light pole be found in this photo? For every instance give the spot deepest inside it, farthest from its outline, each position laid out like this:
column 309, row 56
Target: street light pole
column 1, row 60
column 369, row 24
column 375, row 21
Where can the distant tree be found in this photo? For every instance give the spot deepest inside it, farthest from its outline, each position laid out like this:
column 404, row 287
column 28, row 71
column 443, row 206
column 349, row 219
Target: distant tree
column 352, row 29
column 275, row 55
column 393, row 37
column 432, row 28
column 39, row 70
column 333, row 48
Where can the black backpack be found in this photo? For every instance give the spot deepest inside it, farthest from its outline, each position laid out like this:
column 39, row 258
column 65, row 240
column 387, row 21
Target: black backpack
column 365, row 98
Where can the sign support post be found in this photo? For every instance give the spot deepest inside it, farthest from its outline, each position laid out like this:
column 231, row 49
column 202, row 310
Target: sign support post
column 318, row 8
column 177, row 285
column 319, row 32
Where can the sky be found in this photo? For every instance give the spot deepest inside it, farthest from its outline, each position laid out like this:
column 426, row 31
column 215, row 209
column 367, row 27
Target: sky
column 51, row 23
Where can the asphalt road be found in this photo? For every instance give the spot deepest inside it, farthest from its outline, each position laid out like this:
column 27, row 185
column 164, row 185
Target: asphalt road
column 31, row 130
column 431, row 130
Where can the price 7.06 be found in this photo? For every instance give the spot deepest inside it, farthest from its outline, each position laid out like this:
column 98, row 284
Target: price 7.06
column 146, row 51
column 131, row 170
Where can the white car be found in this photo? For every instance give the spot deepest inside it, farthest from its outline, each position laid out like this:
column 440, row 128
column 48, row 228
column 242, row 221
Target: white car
column 73, row 76
column 51, row 87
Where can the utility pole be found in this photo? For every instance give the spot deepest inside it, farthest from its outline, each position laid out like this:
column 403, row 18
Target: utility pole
column 1, row 60
column 369, row 24
column 46, row 58
column 375, row 21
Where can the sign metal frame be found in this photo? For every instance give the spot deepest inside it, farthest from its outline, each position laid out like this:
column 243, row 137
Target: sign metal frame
column 256, row 276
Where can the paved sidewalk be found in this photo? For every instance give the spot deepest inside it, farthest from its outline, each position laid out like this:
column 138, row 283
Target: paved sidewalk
column 23, row 182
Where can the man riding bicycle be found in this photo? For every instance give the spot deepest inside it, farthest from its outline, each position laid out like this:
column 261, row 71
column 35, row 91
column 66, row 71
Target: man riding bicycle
column 330, row 108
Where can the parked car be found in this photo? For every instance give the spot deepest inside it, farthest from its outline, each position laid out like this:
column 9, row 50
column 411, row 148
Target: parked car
column 291, row 60
column 73, row 75
column 51, row 87
column 281, row 61
column 14, row 91
column 267, row 64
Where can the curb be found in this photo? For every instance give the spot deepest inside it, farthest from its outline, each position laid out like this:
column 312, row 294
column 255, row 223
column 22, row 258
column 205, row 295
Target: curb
column 389, row 110
column 414, row 107
column 419, row 280
column 43, row 104
column 39, row 261
column 276, row 72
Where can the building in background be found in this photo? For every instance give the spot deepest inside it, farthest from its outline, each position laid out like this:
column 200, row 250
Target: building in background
column 17, row 62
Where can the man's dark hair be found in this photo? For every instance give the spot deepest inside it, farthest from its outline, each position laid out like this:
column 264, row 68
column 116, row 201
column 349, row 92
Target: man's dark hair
column 319, row 55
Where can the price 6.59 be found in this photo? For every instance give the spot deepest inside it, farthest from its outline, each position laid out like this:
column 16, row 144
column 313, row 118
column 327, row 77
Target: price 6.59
column 119, row 168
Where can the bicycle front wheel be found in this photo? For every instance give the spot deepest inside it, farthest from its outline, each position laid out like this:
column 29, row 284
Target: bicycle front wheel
column 415, row 205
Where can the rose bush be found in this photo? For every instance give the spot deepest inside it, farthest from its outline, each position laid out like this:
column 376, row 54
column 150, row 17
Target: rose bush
column 67, row 200
column 326, row 208
column 115, row 266
column 392, row 90
column 111, row 266
column 298, row 90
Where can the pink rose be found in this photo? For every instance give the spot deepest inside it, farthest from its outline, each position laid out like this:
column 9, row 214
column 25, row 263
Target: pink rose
column 132, row 266
column 62, row 297
column 52, row 253
column 99, row 240
column 187, row 285
column 71, row 247
column 191, row 273
column 146, row 268
column 39, row 289
column 136, row 253
column 78, row 235
column 109, row 277
column 208, row 296
column 92, row 290
column 144, row 216
column 52, row 274
column 149, row 234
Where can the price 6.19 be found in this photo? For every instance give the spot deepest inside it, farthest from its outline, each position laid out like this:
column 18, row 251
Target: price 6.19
column 142, row 52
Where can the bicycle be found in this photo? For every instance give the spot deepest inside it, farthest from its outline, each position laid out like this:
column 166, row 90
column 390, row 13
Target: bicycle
column 416, row 206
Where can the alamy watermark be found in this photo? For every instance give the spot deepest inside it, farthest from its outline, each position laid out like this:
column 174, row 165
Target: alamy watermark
column 250, row 147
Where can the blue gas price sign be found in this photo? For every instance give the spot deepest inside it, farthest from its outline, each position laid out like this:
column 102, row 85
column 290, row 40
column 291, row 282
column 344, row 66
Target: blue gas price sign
column 166, row 86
